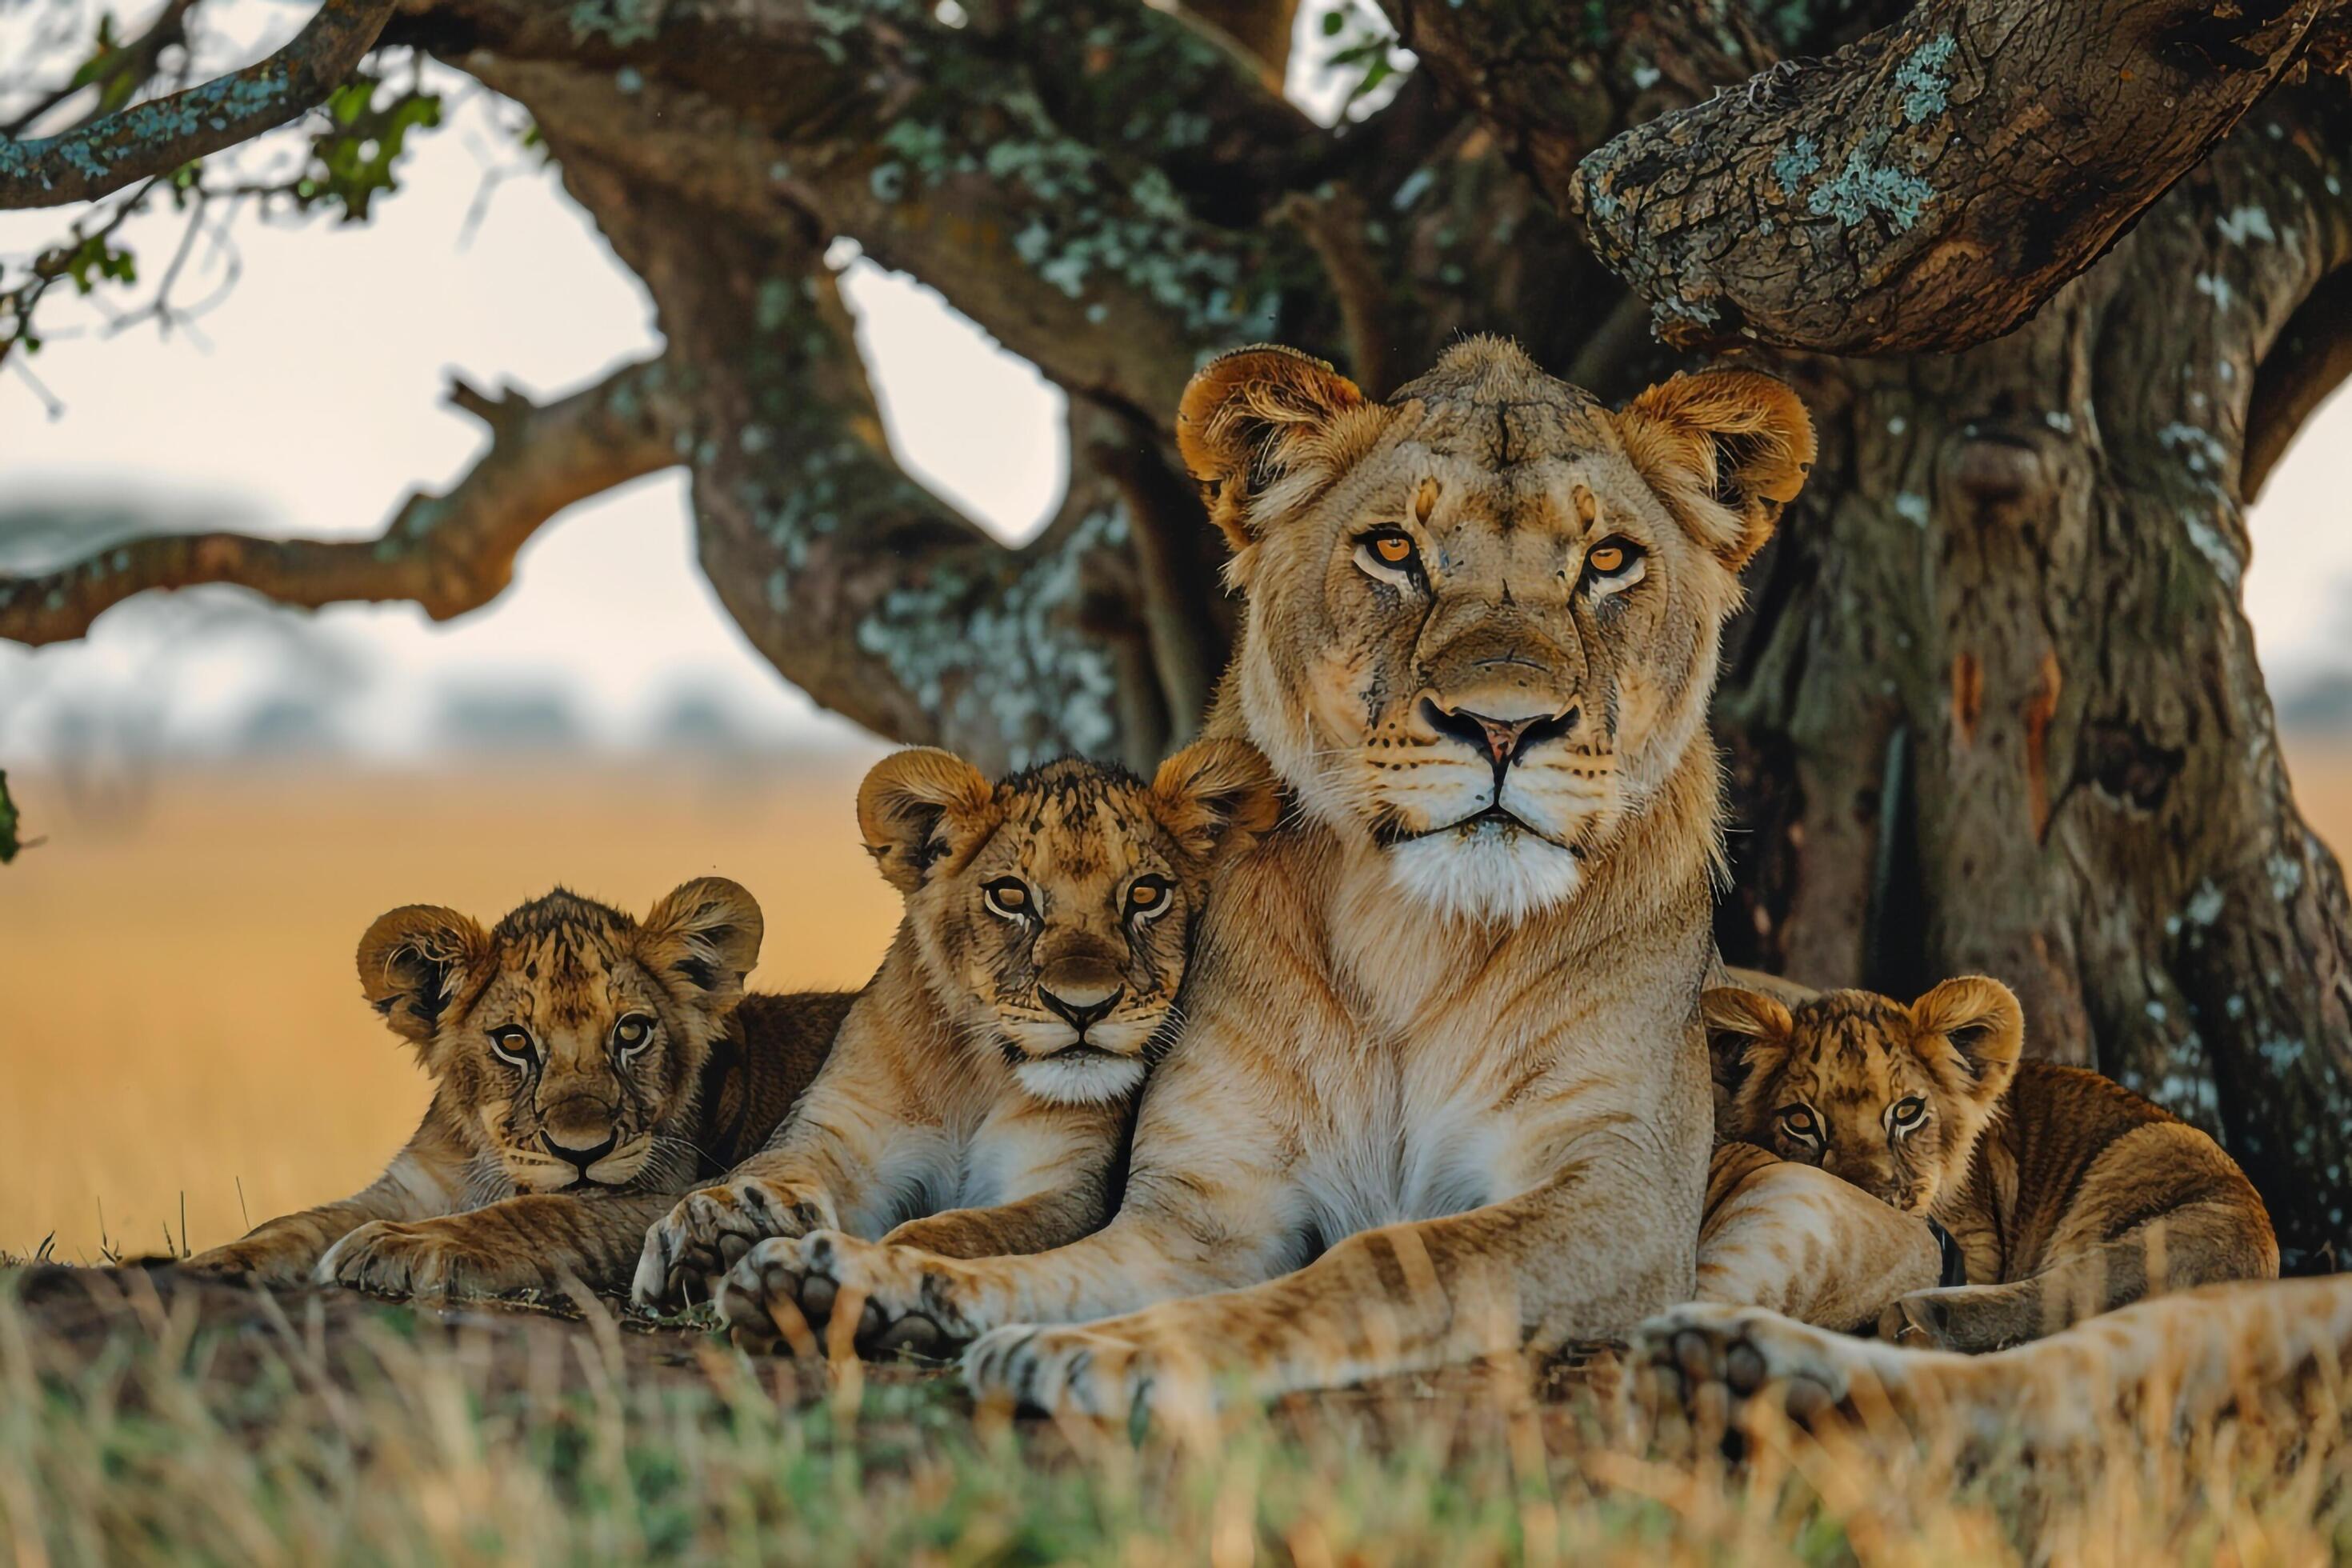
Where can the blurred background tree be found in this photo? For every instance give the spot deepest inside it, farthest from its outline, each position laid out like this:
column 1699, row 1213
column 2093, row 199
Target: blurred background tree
column 2061, row 281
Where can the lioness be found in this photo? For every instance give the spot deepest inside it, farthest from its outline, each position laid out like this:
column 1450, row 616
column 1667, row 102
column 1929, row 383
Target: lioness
column 1441, row 1086
column 977, row 1096
column 586, row 1067
column 2068, row 1195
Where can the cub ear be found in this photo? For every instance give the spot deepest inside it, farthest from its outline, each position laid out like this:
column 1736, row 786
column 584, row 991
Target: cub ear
column 1738, row 1021
column 1983, row 1023
column 705, row 934
column 1725, row 449
column 1218, row 797
column 412, row 961
column 909, row 806
column 1249, row 416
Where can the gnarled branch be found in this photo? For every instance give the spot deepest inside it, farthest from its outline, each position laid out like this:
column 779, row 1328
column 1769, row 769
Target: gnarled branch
column 449, row 553
column 150, row 139
column 2310, row 359
column 1932, row 185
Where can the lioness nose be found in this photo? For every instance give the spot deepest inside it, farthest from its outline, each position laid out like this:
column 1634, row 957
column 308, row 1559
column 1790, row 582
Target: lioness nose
column 1080, row 1004
column 1499, row 740
column 582, row 1158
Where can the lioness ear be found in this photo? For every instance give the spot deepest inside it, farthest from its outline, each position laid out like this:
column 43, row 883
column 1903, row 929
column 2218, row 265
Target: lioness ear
column 1983, row 1023
column 706, row 933
column 1216, row 796
column 907, row 808
column 1725, row 449
column 412, row 961
column 1249, row 416
column 1739, row 1021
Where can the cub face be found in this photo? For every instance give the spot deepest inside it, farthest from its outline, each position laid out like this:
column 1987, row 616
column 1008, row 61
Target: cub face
column 1482, row 617
column 1054, row 912
column 1890, row 1097
column 567, row 1037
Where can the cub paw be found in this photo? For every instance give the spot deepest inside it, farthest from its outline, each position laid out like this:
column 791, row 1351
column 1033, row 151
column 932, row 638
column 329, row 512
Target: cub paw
column 902, row 1297
column 708, row 1234
column 392, row 1259
column 1085, row 1371
column 1710, row 1365
column 263, row 1263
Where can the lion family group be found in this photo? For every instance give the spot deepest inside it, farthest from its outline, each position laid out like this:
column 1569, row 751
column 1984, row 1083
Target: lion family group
column 1380, row 1029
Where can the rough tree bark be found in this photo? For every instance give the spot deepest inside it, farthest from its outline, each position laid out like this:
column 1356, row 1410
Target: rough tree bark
column 1995, row 705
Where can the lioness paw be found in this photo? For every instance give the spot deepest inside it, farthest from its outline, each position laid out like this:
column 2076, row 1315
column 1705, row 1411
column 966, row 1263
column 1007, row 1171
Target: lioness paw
column 1087, row 1371
column 904, row 1297
column 1708, row 1363
column 708, row 1233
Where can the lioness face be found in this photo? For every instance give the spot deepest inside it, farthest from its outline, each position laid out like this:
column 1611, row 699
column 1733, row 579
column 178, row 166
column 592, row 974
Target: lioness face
column 1483, row 618
column 1889, row 1098
column 569, row 1035
column 1054, row 912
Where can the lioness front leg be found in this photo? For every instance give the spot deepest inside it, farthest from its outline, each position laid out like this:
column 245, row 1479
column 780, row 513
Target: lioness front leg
column 538, row 1240
column 1583, row 1257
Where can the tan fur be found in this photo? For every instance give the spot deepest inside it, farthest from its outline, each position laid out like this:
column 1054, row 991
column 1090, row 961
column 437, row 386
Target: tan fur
column 479, row 1201
column 961, row 1112
column 1441, row 1086
column 2069, row 1195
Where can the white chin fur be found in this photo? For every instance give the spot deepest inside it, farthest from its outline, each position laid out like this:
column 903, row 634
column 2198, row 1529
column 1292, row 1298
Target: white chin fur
column 1081, row 1080
column 1489, row 873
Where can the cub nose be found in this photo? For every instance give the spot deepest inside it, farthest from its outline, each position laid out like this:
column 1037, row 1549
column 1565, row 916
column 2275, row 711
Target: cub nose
column 1499, row 740
column 1080, row 1002
column 582, row 1158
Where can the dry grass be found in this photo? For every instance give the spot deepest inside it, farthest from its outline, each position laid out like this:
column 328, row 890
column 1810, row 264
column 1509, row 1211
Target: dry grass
column 178, row 1010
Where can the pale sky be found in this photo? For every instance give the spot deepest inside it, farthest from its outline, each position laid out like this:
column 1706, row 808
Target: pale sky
column 312, row 405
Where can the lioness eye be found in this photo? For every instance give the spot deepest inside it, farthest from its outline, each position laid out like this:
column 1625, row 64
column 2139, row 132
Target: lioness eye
column 632, row 1033
column 1908, row 1110
column 1147, row 898
column 1386, row 552
column 1800, row 1122
column 1612, row 557
column 1008, row 897
column 511, row 1045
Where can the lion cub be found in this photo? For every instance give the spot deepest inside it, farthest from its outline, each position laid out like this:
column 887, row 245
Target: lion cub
column 2067, row 1193
column 586, row 1069
column 976, row 1098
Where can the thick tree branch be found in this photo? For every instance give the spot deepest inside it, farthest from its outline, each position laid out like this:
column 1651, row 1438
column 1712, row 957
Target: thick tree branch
column 2310, row 358
column 449, row 553
column 1931, row 185
column 150, row 139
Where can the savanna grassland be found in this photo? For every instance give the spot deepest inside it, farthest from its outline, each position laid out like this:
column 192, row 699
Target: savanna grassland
column 179, row 1020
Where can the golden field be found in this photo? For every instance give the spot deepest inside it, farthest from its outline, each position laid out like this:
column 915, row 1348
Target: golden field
column 180, row 1023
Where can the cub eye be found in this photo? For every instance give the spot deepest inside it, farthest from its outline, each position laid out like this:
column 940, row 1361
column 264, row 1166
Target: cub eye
column 1610, row 559
column 633, row 1034
column 513, row 1046
column 1147, row 898
column 1389, row 554
column 1797, row 1121
column 1909, row 1110
column 1010, row 898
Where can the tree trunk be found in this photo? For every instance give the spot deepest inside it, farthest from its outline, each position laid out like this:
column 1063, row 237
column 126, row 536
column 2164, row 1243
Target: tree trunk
column 1998, row 710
